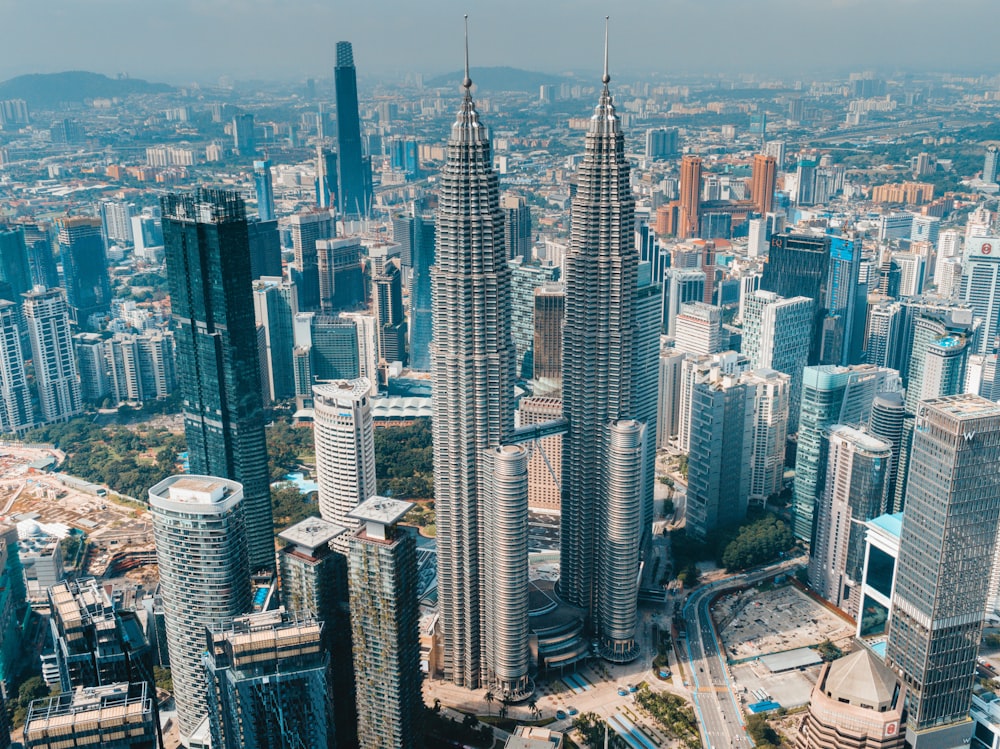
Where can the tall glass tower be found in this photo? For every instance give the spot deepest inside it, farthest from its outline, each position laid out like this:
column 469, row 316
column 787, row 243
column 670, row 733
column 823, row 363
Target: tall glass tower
column 85, row 268
column 472, row 369
column 208, row 269
column 264, row 188
column 599, row 340
column 355, row 194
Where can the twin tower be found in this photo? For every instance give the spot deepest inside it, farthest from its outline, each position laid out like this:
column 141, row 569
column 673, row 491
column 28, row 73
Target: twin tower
column 480, row 460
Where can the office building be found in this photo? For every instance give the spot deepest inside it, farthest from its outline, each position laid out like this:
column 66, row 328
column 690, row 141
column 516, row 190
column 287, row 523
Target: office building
column 517, row 226
column 799, row 265
column 265, row 247
column 699, row 329
column 981, row 288
column 680, row 286
column 721, row 444
column 472, row 370
column 16, row 411
column 600, row 343
column 116, row 222
column 96, row 644
column 546, row 351
column 422, row 255
column 991, row 162
column 202, row 553
column 856, row 702
column 85, row 269
column 341, row 276
column 645, row 379
column 41, row 260
column 267, row 682
column 911, row 273
column 327, row 175
column 275, row 304
column 244, row 135
column 771, row 398
column 938, row 357
column 886, row 422
column 345, row 448
column 113, row 716
column 545, row 461
column 306, row 228
column 354, row 169
column 390, row 318
column 830, row 395
column 947, row 544
column 383, row 581
column 661, row 143
column 763, row 181
column 264, row 190
column 689, row 202
column 857, row 476
column 697, row 369
column 13, row 601
column 92, row 362
column 776, row 336
column 218, row 362
column 668, row 397
column 15, row 268
column 333, row 348
column 884, row 330
column 46, row 315
column 981, row 376
column 525, row 279
column 314, row 584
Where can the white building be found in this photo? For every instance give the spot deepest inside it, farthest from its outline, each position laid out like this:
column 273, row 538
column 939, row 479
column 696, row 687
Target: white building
column 47, row 316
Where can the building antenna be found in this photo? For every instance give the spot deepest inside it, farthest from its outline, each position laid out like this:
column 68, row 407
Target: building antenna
column 467, row 81
column 606, row 78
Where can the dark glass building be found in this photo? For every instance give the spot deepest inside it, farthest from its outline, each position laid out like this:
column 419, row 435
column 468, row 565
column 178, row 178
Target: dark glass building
column 422, row 255
column 208, row 269
column 355, row 171
column 40, row 258
column 85, row 268
column 265, row 248
column 15, row 271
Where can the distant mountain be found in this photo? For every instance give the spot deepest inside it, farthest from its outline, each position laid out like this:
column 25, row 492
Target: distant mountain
column 499, row 79
column 49, row 89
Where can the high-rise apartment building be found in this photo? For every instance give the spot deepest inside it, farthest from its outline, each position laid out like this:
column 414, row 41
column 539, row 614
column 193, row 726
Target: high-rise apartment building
column 114, row 716
column 830, row 395
column 46, row 315
column 699, row 329
column 886, row 422
column 16, row 411
column 345, row 448
column 85, row 269
column 599, row 350
column 202, row 553
column 267, row 682
column 546, row 351
column 882, row 338
column 517, row 226
column 472, row 370
column 38, row 240
column 661, row 143
column 857, row 476
column 141, row 367
column 938, row 357
column 771, row 398
column 354, row 169
column 763, row 181
column 341, row 276
column 689, row 201
column 275, row 304
column 306, row 228
column 116, row 222
column 383, row 581
column 244, row 134
column 776, row 336
column 721, row 442
column 945, row 550
column 668, row 397
column 991, row 162
column 92, row 363
column 218, row 363
column 264, row 189
column 981, row 288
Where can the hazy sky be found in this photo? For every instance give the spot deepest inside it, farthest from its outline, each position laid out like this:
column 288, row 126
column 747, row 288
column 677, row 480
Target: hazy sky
column 185, row 40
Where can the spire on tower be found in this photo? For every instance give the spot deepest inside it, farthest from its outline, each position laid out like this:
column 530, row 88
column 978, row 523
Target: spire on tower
column 467, row 81
column 606, row 78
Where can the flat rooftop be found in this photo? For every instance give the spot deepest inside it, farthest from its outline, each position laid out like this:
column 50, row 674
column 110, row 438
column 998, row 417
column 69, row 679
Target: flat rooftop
column 380, row 510
column 311, row 533
column 965, row 406
column 891, row 524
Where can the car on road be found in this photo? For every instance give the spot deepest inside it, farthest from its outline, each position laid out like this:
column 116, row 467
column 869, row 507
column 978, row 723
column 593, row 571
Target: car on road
column 633, row 688
column 622, row 691
column 560, row 715
column 572, row 710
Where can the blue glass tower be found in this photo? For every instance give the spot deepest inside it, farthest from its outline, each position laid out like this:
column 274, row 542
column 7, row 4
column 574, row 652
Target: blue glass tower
column 355, row 171
column 15, row 271
column 85, row 268
column 264, row 188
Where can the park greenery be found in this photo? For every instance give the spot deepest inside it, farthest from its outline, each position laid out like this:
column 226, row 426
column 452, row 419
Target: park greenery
column 441, row 730
column 828, row 651
column 760, row 540
column 17, row 707
column 673, row 713
column 404, row 461
column 764, row 737
column 290, row 506
column 288, row 447
column 593, row 729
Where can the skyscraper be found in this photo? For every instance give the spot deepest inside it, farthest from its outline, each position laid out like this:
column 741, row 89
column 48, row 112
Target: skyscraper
column 276, row 303
column 355, row 171
column 265, row 247
column 326, row 177
column 47, row 317
column 472, row 369
column 517, row 226
column 699, row 329
column 525, row 279
column 345, row 449
column 38, row 240
column 857, row 475
column 387, row 300
column 201, row 550
column 15, row 270
column 981, row 288
column 886, row 423
column 218, row 365
column 383, row 577
column 422, row 255
column 308, row 227
column 945, row 551
column 990, row 163
column 689, row 205
column 244, row 135
column 85, row 268
column 770, row 428
column 341, row 277
column 114, row 716
column 546, row 349
column 264, row 189
column 599, row 340
column 267, row 682
column 16, row 411
column 763, row 181
column 116, row 222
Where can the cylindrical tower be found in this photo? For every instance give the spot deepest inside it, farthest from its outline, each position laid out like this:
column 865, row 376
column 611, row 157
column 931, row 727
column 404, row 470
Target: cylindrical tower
column 886, row 423
column 621, row 516
column 201, row 549
column 506, row 558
